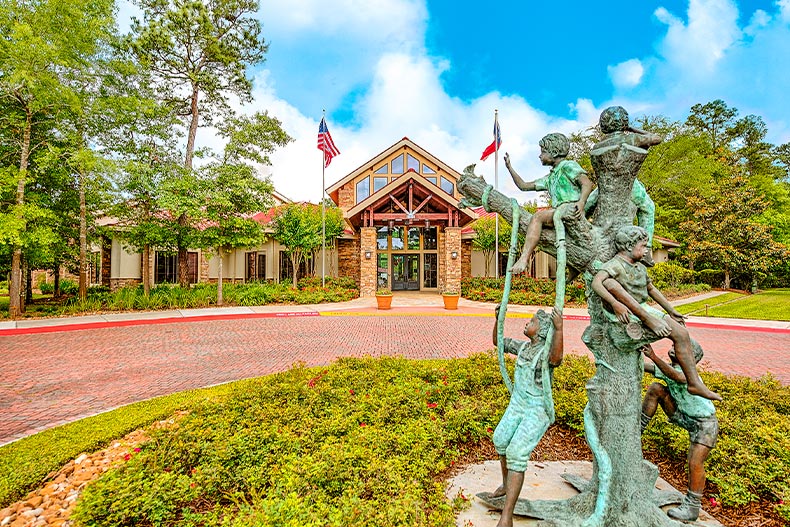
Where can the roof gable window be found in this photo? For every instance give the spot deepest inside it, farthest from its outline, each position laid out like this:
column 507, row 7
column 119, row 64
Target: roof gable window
column 412, row 163
column 447, row 185
column 379, row 183
column 397, row 165
column 383, row 169
column 427, row 170
column 363, row 189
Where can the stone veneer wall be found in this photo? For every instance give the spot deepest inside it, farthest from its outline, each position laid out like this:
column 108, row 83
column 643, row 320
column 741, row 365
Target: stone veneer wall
column 367, row 266
column 345, row 196
column 106, row 261
column 118, row 283
column 203, row 267
column 348, row 259
column 466, row 259
column 452, row 275
column 440, row 268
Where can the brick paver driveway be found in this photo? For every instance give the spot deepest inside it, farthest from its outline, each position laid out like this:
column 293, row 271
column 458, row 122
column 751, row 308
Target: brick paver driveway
column 51, row 378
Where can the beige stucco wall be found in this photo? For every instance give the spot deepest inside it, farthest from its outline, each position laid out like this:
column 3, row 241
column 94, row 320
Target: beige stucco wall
column 125, row 264
column 234, row 263
column 545, row 265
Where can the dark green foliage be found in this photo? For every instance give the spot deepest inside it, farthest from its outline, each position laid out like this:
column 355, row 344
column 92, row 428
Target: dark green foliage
column 360, row 443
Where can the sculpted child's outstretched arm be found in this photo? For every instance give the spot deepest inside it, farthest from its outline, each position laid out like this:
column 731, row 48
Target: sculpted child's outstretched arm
column 665, row 368
column 520, row 183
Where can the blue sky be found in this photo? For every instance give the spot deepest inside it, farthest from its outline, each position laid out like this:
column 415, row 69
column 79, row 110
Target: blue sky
column 435, row 71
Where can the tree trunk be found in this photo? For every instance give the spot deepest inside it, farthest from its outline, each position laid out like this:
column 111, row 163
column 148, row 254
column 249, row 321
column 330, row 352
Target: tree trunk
column 146, row 269
column 193, row 126
column 296, row 258
column 83, row 284
column 56, row 285
column 219, row 277
column 15, row 307
column 621, row 490
column 726, row 279
column 28, row 285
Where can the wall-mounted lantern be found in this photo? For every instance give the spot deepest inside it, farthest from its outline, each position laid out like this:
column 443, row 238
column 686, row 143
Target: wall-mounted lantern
column 454, row 255
column 368, row 255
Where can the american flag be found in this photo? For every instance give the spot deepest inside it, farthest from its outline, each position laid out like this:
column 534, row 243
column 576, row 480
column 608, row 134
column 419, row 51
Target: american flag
column 494, row 146
column 326, row 144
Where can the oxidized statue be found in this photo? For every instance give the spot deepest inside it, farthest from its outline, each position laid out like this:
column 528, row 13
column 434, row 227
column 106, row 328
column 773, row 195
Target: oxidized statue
column 691, row 412
column 566, row 183
column 531, row 408
column 623, row 284
column 614, row 124
column 606, row 251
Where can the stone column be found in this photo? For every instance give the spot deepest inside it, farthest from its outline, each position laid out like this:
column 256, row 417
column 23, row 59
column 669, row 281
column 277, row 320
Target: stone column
column 466, row 259
column 367, row 266
column 348, row 259
column 452, row 244
column 203, row 259
column 442, row 257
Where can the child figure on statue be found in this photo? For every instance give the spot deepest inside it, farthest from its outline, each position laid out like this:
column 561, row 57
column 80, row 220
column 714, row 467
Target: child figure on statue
column 531, row 407
column 623, row 284
column 691, row 412
column 615, row 125
column 566, row 183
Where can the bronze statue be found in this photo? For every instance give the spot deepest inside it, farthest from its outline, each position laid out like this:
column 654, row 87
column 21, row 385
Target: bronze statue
column 623, row 284
column 567, row 182
column 691, row 412
column 527, row 416
column 622, row 488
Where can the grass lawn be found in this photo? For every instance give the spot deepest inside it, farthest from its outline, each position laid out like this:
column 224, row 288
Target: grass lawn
column 31, row 309
column 772, row 304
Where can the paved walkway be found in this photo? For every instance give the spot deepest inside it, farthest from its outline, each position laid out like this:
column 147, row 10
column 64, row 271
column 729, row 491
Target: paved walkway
column 58, row 370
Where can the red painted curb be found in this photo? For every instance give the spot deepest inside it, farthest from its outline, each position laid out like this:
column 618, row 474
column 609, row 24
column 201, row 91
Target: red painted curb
column 147, row 322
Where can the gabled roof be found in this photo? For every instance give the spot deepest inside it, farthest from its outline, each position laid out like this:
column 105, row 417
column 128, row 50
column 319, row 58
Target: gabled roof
column 385, row 154
column 382, row 195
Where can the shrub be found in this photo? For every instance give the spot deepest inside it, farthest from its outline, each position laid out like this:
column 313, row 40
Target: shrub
column 46, row 288
column 69, row 287
column 670, row 275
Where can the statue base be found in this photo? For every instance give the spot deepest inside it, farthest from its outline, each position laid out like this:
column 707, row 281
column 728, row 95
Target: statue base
column 551, row 480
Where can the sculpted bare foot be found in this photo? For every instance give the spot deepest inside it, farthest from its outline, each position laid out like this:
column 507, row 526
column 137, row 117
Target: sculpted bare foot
column 520, row 266
column 500, row 491
column 703, row 391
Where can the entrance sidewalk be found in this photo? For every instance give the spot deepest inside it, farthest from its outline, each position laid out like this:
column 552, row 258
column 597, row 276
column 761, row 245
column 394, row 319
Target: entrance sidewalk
column 407, row 303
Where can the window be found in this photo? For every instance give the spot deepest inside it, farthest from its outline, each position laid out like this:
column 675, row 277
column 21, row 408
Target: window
column 433, row 180
column 382, row 271
column 397, row 165
column 427, row 170
column 363, row 189
column 412, row 163
column 286, row 268
column 397, row 239
column 447, row 185
column 94, row 268
column 381, row 238
column 166, row 268
column 382, row 169
column 429, row 239
column 414, row 239
column 256, row 266
column 379, row 183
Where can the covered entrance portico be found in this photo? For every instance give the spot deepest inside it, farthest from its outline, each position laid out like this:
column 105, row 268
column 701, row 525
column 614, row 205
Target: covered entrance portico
column 410, row 237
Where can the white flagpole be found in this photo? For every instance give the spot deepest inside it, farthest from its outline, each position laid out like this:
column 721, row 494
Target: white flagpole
column 323, row 212
column 496, row 187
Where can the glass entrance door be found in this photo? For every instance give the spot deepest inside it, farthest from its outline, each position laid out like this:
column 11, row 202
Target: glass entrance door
column 405, row 272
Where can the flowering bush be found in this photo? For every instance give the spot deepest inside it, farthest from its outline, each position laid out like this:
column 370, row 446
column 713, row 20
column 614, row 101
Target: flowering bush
column 524, row 290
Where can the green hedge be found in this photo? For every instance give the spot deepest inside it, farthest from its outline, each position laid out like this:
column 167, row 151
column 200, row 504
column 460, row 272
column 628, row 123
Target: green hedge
column 524, row 290
column 364, row 442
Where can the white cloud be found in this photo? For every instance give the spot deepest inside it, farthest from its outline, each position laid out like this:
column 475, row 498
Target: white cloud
column 626, row 74
column 759, row 20
column 699, row 44
column 784, row 9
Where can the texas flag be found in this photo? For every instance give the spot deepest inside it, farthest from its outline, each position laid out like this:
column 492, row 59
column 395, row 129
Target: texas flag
column 494, row 146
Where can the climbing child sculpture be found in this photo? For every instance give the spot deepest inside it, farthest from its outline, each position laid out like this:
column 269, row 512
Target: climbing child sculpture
column 531, row 408
column 691, row 412
column 615, row 125
column 623, row 284
column 566, row 183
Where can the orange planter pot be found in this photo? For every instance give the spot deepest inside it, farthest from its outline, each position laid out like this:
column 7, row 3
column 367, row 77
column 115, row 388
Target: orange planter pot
column 451, row 301
column 384, row 302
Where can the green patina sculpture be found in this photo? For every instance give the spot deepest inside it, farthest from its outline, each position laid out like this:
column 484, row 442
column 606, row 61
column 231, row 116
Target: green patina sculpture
column 567, row 182
column 691, row 412
column 621, row 491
